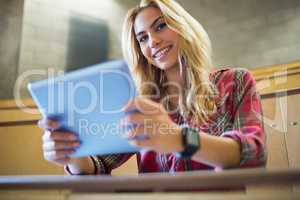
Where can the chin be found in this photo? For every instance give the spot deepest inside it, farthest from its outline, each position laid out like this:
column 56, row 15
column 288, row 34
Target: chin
column 166, row 66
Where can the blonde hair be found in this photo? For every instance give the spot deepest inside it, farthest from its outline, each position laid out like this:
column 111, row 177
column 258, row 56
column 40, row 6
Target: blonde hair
column 196, row 101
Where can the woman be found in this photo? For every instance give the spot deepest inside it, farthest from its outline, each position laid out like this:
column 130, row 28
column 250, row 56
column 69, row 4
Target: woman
column 191, row 117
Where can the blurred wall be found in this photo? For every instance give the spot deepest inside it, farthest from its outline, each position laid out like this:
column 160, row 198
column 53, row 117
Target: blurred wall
column 11, row 15
column 250, row 33
column 67, row 34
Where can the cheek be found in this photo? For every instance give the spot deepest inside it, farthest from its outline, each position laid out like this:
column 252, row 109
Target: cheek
column 173, row 37
column 146, row 52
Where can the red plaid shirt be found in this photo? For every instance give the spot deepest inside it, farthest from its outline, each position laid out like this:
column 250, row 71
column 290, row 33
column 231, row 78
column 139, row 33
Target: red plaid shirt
column 239, row 117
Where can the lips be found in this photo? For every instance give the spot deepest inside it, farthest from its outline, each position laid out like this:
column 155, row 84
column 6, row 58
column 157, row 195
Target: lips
column 162, row 52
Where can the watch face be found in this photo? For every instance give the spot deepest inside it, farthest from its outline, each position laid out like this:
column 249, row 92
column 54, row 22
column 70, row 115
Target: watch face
column 191, row 141
column 193, row 138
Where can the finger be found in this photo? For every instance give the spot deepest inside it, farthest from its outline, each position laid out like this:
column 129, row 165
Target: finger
column 60, row 154
column 48, row 124
column 62, row 161
column 148, row 144
column 52, row 145
column 137, row 133
column 134, row 118
column 143, row 105
column 59, row 136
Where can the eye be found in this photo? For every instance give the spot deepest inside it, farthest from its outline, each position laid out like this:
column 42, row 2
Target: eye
column 161, row 26
column 143, row 38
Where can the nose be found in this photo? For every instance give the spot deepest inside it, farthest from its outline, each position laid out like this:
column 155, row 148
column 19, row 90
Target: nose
column 154, row 40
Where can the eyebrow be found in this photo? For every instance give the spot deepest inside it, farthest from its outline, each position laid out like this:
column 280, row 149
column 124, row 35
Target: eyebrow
column 153, row 23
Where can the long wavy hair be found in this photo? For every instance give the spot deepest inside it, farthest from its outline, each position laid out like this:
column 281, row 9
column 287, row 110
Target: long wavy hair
column 196, row 101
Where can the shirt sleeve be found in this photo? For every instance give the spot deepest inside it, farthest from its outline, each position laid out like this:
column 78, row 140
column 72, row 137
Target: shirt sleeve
column 105, row 164
column 248, row 129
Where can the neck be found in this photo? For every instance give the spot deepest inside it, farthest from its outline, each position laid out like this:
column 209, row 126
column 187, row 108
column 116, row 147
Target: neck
column 174, row 77
column 175, row 84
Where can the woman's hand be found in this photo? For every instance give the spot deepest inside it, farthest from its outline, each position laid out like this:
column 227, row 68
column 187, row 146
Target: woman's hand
column 153, row 124
column 57, row 146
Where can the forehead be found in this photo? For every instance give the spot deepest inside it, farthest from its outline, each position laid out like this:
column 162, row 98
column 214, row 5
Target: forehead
column 145, row 18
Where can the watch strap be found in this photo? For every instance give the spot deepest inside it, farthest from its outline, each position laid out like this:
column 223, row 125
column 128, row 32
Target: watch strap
column 190, row 142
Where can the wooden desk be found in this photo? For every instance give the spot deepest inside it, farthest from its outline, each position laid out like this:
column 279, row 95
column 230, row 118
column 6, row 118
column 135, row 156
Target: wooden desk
column 150, row 186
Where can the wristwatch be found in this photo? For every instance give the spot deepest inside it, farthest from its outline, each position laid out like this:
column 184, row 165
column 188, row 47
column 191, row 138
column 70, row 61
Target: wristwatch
column 190, row 142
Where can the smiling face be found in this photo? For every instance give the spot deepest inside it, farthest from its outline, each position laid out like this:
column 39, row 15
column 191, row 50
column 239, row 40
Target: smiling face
column 158, row 43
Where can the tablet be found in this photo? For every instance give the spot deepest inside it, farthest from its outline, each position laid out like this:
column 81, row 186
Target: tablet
column 88, row 102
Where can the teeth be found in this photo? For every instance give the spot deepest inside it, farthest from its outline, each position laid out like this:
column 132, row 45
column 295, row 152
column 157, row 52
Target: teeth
column 161, row 52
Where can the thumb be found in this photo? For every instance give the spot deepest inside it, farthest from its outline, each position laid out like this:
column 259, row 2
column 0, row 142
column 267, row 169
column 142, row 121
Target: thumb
column 143, row 105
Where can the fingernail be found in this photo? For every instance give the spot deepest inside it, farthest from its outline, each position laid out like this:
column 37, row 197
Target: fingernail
column 54, row 124
column 74, row 137
column 129, row 112
column 140, row 137
column 76, row 148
